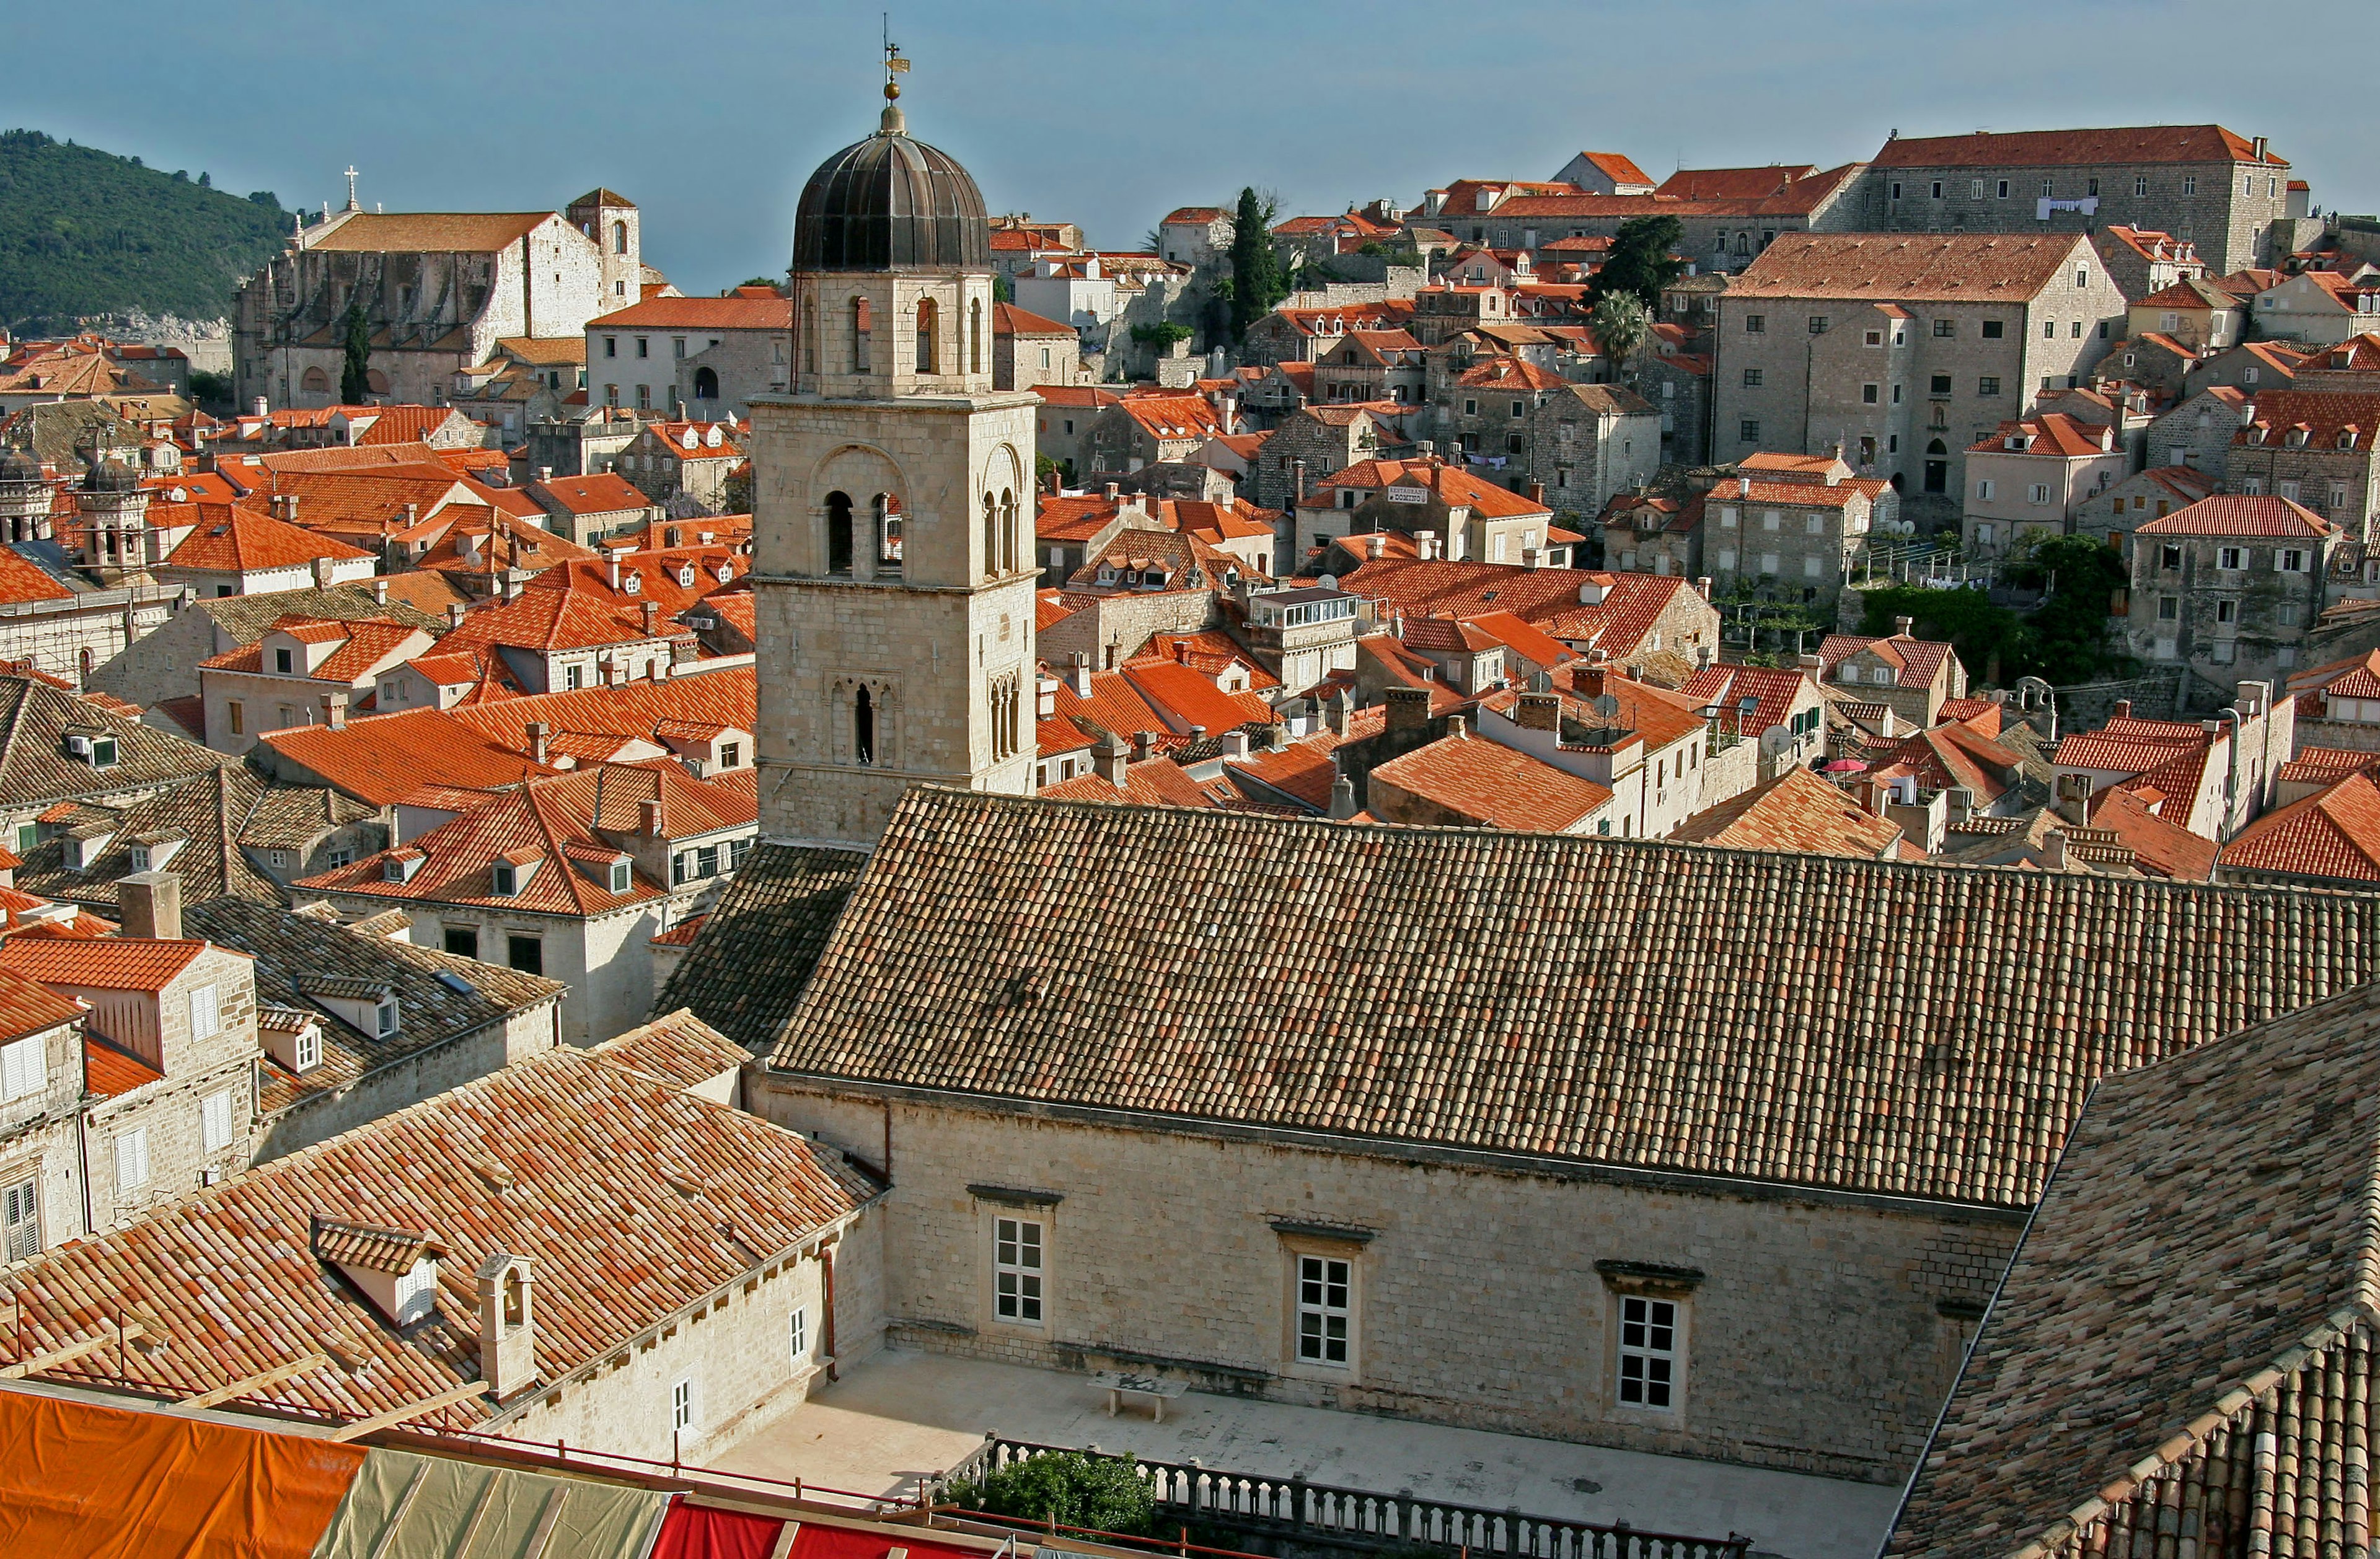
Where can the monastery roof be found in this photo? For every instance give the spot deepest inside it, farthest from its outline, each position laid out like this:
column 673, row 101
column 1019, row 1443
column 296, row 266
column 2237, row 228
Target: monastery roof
column 430, row 231
column 1733, row 184
column 1752, row 976
column 2045, row 149
column 736, row 313
column 1909, row 268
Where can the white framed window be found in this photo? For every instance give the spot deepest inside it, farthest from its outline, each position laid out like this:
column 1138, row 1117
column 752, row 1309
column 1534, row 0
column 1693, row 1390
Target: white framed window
column 1649, row 1352
column 206, row 1013
column 1771, row 520
column 798, row 1334
column 1812, row 525
column 2230, row 557
column 22, row 1069
column 2040, row 492
column 2288, row 489
column 1326, row 1292
column 310, row 1048
column 21, row 1204
column 682, row 1405
column 1727, row 519
column 1984, row 533
column 2226, row 611
column 1726, row 559
column 132, row 1158
column 1984, row 490
column 2289, row 559
column 214, row 1122
column 1016, row 1270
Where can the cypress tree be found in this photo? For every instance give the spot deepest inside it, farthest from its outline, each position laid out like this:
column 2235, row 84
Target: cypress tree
column 353, row 384
column 1257, row 281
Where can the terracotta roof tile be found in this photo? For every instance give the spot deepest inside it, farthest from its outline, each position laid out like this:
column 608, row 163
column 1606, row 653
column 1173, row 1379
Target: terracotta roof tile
column 1796, row 811
column 1495, row 785
column 2034, row 149
column 2234, row 514
column 1908, row 268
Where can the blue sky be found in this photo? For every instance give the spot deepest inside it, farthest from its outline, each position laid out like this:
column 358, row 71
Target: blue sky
column 711, row 116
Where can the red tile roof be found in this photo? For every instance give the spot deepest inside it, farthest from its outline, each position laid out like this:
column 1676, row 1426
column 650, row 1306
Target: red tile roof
column 1919, row 660
column 1909, row 268
column 2334, row 833
column 605, row 492
column 26, row 1006
column 111, row 1072
column 1009, row 319
column 1451, row 483
column 1796, row 811
column 2356, row 678
column 1493, row 784
column 2160, row 847
column 1733, row 184
column 1546, row 597
column 2321, row 415
column 1616, row 168
column 2236, row 513
column 1156, row 783
column 2051, row 433
column 107, row 964
column 233, row 538
column 2039, row 149
column 737, row 313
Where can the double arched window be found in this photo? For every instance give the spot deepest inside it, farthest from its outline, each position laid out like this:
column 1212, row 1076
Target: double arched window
column 1007, row 722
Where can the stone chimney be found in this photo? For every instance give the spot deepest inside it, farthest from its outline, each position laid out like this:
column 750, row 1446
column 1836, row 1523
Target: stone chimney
column 1703, row 587
column 537, row 733
column 1408, row 707
column 1539, row 711
column 1902, row 626
column 379, row 589
column 150, row 904
column 260, row 407
column 1081, row 674
column 1338, row 711
column 2052, row 849
column 322, row 573
column 1108, row 759
column 454, row 612
column 1045, row 697
column 1343, row 798
column 1374, row 544
column 612, row 568
column 334, row 709
column 652, row 614
column 1458, row 728
column 1426, row 545
column 1536, row 492
column 1235, row 744
column 1144, row 745
column 2123, row 709
column 648, row 818
column 1809, row 663
column 507, row 1324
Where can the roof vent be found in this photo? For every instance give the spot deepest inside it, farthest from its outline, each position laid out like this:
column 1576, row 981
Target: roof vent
column 395, row 1269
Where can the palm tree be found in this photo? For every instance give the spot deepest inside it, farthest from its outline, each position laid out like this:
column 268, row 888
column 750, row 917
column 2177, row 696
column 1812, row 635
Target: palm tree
column 1622, row 326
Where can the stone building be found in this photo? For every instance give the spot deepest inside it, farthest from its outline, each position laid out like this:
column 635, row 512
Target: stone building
column 1585, row 442
column 2143, row 261
column 1792, row 540
column 1311, row 444
column 2199, row 183
column 1029, row 351
column 1817, row 1302
column 1904, row 351
column 697, row 357
column 2314, row 448
column 438, row 289
column 2229, row 586
column 1912, row 677
column 892, row 530
column 2197, row 432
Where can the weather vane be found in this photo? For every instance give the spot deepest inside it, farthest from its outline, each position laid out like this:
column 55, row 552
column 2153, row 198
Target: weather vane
column 894, row 63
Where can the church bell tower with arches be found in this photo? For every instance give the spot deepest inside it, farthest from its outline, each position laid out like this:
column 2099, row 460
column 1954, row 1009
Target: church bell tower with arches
column 893, row 570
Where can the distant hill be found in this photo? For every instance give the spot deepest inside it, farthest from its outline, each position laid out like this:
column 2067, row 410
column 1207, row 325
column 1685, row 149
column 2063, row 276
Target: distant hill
column 84, row 232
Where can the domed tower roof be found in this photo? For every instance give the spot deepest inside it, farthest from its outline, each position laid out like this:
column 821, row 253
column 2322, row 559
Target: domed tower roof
column 18, row 466
column 111, row 474
column 891, row 203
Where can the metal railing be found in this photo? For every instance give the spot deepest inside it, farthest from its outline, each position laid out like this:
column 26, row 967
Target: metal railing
column 1295, row 1507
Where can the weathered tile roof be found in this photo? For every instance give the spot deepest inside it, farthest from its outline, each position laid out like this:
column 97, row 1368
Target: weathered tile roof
column 551, row 1158
column 678, row 1048
column 209, row 812
column 35, row 766
column 1908, row 267
column 2334, row 833
column 772, row 921
column 244, row 619
column 2036, row 149
column 1919, row 659
column 26, row 1006
column 1923, row 1031
column 2183, row 1342
column 1796, row 811
column 1489, row 783
column 291, row 949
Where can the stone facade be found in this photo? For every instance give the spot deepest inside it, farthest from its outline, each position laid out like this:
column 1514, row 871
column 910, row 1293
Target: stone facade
column 167, row 1118
column 2197, row 433
column 1587, row 441
column 76, row 638
column 2228, row 606
column 1328, row 439
column 1820, row 1332
column 1904, row 387
column 1112, row 629
column 40, row 1135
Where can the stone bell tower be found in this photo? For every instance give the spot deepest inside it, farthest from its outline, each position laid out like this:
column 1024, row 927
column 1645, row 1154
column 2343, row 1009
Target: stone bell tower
column 893, row 507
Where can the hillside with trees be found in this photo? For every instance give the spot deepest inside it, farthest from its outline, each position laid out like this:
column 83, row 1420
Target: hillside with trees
column 85, row 232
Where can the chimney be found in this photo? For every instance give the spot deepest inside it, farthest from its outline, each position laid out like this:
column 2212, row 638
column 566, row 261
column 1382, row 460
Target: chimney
column 2053, row 849
column 1809, row 663
column 1342, row 798
column 1374, row 544
column 648, row 818
column 1300, row 469
column 545, row 473
column 259, row 408
column 613, row 569
column 412, row 515
column 1536, row 492
column 1108, row 759
column 652, row 614
column 334, row 711
column 1144, row 745
column 150, row 904
column 538, row 731
column 379, row 589
column 1197, row 734
column 2123, row 709
column 1045, row 697
column 1408, row 707
column 1338, row 710
column 454, row 612
column 1111, row 494
column 1902, row 625
column 2259, row 148
column 1235, row 744
column 1426, row 545
column 1703, row 587
column 1743, row 487
column 1539, row 711
column 322, row 574
column 507, row 1324
column 1458, row 728
column 1082, row 675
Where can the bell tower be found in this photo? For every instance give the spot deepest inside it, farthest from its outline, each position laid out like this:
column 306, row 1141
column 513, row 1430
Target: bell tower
column 893, row 506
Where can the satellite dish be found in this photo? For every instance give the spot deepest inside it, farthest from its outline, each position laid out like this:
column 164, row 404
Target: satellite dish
column 1775, row 740
column 1328, row 582
column 1605, row 704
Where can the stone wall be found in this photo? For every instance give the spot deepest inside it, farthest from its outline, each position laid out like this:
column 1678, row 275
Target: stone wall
column 1822, row 1331
column 2204, row 201
column 170, row 1111
column 1113, row 629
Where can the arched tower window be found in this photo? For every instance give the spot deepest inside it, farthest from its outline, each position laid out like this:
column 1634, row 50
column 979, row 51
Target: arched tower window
column 863, row 726
column 1007, row 531
column 838, row 533
column 860, row 323
column 975, row 336
column 619, row 237
column 924, row 335
column 888, row 533
column 990, row 536
column 809, row 337
column 706, row 384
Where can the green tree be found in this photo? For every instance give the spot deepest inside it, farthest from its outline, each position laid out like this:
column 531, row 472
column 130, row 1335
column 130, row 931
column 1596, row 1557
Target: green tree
column 1256, row 280
column 356, row 330
column 2069, row 627
column 1100, row 1494
column 1002, row 289
column 1640, row 259
column 1622, row 326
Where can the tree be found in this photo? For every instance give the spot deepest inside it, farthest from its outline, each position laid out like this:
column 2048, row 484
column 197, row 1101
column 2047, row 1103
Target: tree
column 1097, row 1493
column 1622, row 326
column 1002, row 289
column 354, row 384
column 1639, row 260
column 1257, row 281
column 206, row 181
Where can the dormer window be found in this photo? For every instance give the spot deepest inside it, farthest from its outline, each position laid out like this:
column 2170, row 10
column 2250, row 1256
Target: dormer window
column 308, row 1049
column 632, row 583
column 399, row 866
column 505, row 879
column 284, row 661
column 395, row 1269
column 96, row 749
column 619, row 877
column 385, row 1018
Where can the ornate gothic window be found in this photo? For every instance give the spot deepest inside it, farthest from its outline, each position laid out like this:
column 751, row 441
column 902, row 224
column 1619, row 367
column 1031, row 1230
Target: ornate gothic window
column 924, row 335
column 862, row 727
column 859, row 329
column 1007, row 531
